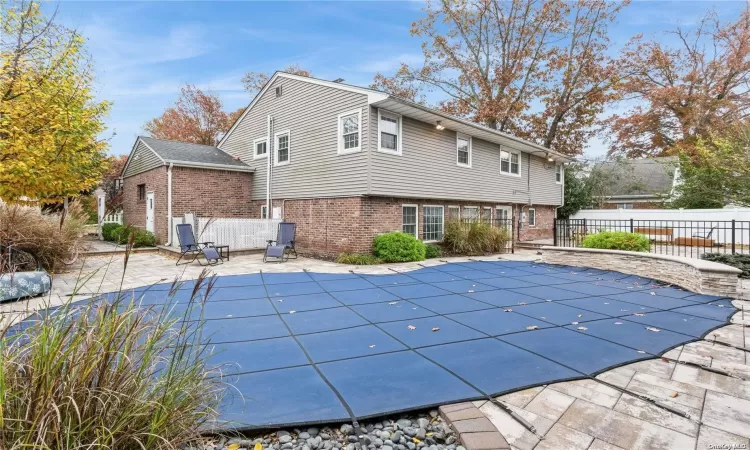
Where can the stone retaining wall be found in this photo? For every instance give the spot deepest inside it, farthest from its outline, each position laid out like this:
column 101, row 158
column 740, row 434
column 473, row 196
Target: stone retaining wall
column 697, row 275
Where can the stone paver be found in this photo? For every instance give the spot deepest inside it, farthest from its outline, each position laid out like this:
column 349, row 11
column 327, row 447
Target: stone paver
column 727, row 413
column 589, row 390
column 711, row 437
column 550, row 404
column 561, row 437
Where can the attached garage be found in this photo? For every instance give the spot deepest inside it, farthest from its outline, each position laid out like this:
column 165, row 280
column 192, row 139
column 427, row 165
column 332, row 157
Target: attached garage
column 164, row 179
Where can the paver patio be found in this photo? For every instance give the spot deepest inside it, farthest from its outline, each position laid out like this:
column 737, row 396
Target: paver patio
column 577, row 414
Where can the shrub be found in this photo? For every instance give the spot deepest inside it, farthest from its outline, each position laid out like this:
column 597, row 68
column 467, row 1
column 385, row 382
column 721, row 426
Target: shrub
column 398, row 247
column 111, row 376
column 357, row 259
column 432, row 251
column 617, row 240
column 474, row 238
column 741, row 262
column 143, row 238
column 108, row 229
column 50, row 237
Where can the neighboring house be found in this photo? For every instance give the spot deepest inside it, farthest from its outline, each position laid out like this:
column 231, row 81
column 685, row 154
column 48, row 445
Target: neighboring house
column 347, row 163
column 198, row 178
column 639, row 183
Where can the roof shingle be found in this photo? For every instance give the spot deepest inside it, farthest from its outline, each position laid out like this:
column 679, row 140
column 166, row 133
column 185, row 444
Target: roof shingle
column 175, row 152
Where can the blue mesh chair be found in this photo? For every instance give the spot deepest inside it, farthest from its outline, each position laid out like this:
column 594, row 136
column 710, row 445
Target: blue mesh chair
column 188, row 246
column 283, row 247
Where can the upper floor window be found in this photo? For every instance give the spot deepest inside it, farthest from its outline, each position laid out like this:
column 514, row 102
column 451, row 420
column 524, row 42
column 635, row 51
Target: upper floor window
column 282, row 148
column 558, row 173
column 510, row 162
column 390, row 132
column 463, row 150
column 261, row 148
column 350, row 133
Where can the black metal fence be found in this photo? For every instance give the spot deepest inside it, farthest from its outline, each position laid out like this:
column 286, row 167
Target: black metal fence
column 690, row 238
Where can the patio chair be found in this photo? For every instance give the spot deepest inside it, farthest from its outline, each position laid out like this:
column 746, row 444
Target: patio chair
column 283, row 246
column 188, row 246
column 704, row 235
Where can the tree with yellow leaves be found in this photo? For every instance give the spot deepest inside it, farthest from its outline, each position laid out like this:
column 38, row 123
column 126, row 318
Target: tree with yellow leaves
column 49, row 120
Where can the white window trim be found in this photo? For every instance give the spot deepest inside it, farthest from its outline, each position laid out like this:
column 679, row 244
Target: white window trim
column 340, row 137
column 255, row 148
column 399, row 148
column 442, row 208
column 471, row 207
column 528, row 216
column 416, row 218
column 520, row 163
column 562, row 174
column 468, row 138
column 276, row 148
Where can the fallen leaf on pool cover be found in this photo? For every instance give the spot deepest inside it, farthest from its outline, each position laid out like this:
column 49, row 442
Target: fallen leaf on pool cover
column 372, row 346
column 392, row 303
column 618, row 323
column 532, row 327
column 508, row 310
column 471, row 290
column 641, row 351
column 582, row 328
column 580, row 315
column 292, row 312
column 522, row 303
column 547, row 300
column 639, row 314
column 574, row 323
column 280, row 300
column 436, row 329
column 412, row 327
column 655, row 330
column 652, row 293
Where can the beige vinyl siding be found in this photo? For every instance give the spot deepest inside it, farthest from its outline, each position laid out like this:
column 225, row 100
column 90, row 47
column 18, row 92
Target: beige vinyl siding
column 310, row 112
column 142, row 159
column 427, row 169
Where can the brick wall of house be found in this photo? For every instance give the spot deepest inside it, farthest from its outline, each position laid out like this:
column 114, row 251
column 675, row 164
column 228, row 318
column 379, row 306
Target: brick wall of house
column 134, row 210
column 545, row 218
column 334, row 225
column 211, row 193
column 208, row 192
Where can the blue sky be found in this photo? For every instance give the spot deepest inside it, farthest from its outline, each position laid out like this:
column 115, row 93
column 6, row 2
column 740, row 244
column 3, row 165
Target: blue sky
column 144, row 51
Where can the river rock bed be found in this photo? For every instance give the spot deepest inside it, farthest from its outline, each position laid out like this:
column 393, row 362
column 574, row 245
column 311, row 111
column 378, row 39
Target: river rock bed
column 425, row 431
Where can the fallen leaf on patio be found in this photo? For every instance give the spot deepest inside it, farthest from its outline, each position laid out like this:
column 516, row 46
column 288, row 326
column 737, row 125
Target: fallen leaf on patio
column 674, row 394
column 412, row 327
column 655, row 330
column 508, row 310
column 532, row 327
column 292, row 312
column 582, row 328
column 436, row 329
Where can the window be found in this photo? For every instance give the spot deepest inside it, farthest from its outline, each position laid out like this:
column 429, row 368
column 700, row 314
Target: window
column 409, row 220
column 282, row 148
column 390, row 132
column 510, row 163
column 624, row 206
column 141, row 192
column 279, row 91
column 471, row 213
column 463, row 150
column 558, row 174
column 350, row 131
column 532, row 217
column 264, row 212
column 432, row 227
column 261, row 148
column 454, row 212
column 487, row 214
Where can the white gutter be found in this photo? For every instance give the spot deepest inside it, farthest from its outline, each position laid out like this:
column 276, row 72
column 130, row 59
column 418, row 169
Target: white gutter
column 169, row 205
column 197, row 165
column 268, row 168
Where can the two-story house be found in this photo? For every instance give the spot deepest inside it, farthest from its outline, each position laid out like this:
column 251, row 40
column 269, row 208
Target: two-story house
column 347, row 163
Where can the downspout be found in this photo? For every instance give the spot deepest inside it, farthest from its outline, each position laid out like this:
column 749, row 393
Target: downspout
column 169, row 205
column 268, row 168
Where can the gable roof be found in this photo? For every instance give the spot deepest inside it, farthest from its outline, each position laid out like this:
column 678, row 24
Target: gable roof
column 410, row 109
column 648, row 177
column 184, row 154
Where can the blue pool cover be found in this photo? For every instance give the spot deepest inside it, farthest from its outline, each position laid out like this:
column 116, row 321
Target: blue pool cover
column 305, row 348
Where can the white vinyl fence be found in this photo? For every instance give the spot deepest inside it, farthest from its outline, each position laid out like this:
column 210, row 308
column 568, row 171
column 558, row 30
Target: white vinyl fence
column 238, row 234
column 683, row 223
column 113, row 218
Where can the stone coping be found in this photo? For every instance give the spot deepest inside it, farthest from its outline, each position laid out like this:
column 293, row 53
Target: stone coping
column 700, row 264
column 474, row 429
